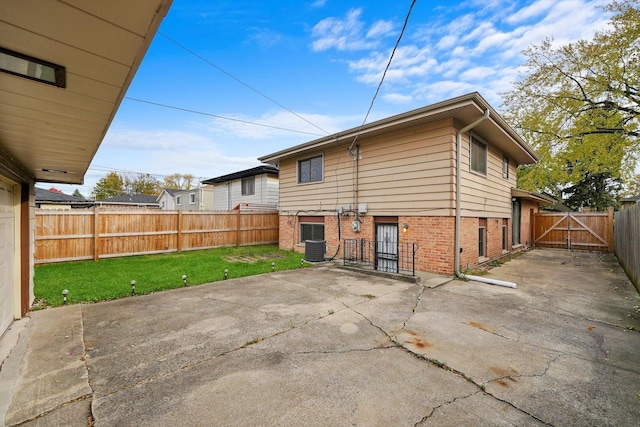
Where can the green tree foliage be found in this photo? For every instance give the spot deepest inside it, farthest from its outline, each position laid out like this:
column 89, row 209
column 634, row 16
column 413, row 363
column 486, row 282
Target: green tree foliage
column 179, row 181
column 578, row 106
column 78, row 194
column 143, row 183
column 115, row 184
column 110, row 186
column 594, row 191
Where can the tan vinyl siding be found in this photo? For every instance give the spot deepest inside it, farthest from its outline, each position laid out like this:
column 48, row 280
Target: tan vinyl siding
column 403, row 172
column 489, row 194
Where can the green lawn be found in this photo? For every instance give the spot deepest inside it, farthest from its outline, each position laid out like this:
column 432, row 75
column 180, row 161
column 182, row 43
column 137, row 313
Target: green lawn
column 91, row 281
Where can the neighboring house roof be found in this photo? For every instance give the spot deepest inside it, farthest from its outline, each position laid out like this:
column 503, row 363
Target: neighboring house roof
column 55, row 198
column 258, row 170
column 464, row 109
column 46, row 196
column 131, row 199
column 170, row 191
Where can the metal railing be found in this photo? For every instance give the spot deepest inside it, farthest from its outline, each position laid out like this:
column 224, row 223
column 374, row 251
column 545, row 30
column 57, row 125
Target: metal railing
column 391, row 257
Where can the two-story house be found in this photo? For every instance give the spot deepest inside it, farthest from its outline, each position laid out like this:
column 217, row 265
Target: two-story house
column 255, row 188
column 442, row 176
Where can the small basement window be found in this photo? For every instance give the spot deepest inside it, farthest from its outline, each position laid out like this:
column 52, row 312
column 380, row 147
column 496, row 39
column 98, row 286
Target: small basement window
column 311, row 228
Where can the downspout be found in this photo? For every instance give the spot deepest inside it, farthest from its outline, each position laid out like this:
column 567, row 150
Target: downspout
column 456, row 257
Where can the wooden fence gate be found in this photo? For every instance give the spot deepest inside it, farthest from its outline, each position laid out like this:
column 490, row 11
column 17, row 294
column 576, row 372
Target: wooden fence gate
column 573, row 230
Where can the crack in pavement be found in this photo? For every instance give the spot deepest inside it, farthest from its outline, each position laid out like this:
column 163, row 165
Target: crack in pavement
column 445, row 403
column 413, row 309
column 91, row 420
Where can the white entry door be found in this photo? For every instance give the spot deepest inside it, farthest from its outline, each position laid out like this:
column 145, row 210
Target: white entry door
column 7, row 253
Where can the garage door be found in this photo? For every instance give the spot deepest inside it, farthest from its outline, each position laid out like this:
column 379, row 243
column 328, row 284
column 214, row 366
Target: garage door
column 6, row 255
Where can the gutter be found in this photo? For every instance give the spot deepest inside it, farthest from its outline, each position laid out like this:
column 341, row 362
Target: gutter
column 456, row 257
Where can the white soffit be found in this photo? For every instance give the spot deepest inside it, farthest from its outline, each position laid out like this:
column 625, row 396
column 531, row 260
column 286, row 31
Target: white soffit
column 101, row 45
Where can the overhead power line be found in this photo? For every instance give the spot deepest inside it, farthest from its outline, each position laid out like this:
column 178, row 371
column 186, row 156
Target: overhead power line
column 406, row 20
column 217, row 116
column 240, row 81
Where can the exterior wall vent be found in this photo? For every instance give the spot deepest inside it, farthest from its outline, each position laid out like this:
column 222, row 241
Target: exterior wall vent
column 314, row 250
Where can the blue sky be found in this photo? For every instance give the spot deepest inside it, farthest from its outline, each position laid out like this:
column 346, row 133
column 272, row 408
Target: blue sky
column 319, row 59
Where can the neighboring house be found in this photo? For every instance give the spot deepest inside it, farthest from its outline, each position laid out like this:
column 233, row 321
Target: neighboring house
column 129, row 201
column 399, row 173
column 65, row 69
column 255, row 188
column 195, row 199
column 46, row 199
column 166, row 199
column 629, row 201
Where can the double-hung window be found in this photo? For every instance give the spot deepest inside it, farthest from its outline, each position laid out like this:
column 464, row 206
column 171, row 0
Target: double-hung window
column 478, row 156
column 310, row 170
column 192, row 198
column 249, row 186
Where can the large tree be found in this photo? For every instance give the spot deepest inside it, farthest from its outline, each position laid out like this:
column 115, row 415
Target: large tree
column 110, row 186
column 179, row 181
column 578, row 105
column 115, row 184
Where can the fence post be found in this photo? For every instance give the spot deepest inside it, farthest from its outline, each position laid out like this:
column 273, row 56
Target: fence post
column 610, row 229
column 179, row 242
column 239, row 220
column 96, row 233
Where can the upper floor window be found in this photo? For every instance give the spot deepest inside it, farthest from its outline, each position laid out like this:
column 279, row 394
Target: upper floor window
column 249, row 186
column 178, row 200
column 192, row 198
column 310, row 170
column 478, row 156
column 505, row 167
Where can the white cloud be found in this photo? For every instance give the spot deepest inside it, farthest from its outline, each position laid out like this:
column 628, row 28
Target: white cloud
column 349, row 33
column 397, row 98
column 278, row 123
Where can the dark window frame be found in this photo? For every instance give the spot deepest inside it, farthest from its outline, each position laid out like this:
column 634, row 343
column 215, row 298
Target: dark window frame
column 477, row 147
column 248, row 186
column 311, row 228
column 505, row 167
column 311, row 169
column 482, row 238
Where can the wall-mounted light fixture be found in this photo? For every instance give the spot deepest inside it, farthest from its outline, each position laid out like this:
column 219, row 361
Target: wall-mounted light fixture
column 32, row 68
column 405, row 228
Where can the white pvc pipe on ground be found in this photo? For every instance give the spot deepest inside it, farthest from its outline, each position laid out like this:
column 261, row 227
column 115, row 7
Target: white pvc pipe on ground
column 492, row 281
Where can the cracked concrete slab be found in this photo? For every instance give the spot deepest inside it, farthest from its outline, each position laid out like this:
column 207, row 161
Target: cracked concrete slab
column 326, row 346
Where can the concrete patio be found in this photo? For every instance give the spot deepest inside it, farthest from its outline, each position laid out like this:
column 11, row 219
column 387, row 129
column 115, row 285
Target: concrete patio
column 325, row 346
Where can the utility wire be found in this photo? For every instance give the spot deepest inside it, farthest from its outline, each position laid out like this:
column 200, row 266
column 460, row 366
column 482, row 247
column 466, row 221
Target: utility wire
column 406, row 20
column 217, row 116
column 240, row 81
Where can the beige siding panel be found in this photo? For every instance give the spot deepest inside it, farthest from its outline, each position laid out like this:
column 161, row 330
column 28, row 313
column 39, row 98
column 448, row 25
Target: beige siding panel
column 488, row 196
column 408, row 170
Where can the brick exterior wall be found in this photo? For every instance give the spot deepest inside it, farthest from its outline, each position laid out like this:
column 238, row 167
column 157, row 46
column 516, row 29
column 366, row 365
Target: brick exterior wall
column 525, row 221
column 434, row 236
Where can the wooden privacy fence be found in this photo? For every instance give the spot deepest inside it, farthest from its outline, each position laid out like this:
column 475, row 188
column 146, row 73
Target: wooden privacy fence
column 573, row 230
column 73, row 235
column 627, row 240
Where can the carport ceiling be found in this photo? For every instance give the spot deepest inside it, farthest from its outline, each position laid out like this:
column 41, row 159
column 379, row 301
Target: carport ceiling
column 55, row 132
